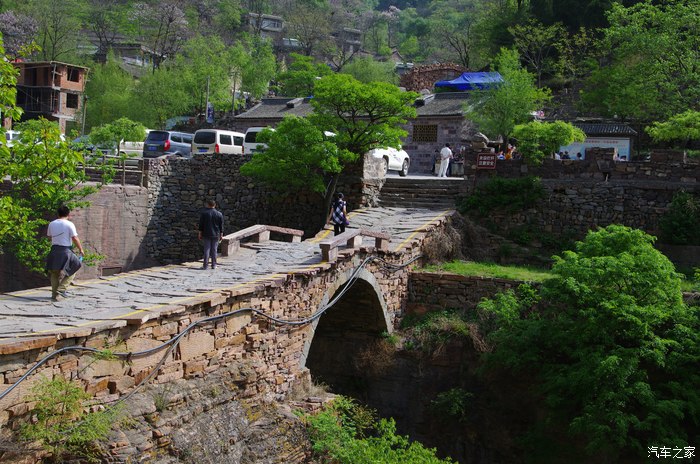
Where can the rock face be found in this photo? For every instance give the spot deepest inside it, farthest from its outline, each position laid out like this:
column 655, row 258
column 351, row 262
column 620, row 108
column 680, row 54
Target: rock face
column 201, row 421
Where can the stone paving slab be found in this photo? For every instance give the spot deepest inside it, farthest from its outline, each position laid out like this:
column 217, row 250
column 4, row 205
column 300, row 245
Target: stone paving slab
column 137, row 296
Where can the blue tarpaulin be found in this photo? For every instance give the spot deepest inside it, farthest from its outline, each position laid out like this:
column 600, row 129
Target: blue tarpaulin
column 472, row 81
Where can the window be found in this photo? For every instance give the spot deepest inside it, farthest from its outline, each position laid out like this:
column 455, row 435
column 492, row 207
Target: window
column 74, row 74
column 238, row 141
column 225, row 139
column 71, row 100
column 425, row 133
column 207, row 137
column 186, row 138
column 175, row 138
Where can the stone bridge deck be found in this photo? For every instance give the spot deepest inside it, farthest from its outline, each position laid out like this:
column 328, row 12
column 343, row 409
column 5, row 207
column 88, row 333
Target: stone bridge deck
column 137, row 296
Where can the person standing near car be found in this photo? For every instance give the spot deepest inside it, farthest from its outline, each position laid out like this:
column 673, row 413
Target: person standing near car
column 338, row 214
column 62, row 263
column 445, row 156
column 211, row 231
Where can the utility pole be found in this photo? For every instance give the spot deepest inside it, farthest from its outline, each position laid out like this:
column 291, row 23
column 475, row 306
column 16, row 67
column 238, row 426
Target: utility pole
column 82, row 129
column 206, row 108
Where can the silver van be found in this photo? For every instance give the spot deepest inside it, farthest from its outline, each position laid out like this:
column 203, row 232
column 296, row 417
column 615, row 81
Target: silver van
column 217, row 141
column 159, row 143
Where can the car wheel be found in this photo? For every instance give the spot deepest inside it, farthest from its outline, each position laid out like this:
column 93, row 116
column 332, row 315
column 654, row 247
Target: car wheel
column 404, row 169
column 385, row 166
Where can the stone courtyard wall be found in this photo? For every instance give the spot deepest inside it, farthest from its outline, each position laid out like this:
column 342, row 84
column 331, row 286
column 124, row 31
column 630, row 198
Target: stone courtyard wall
column 583, row 195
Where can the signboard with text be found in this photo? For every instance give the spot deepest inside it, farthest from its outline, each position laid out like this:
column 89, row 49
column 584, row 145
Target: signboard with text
column 486, row 161
column 621, row 144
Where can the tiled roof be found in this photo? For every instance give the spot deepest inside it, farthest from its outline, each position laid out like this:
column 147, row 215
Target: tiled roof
column 277, row 107
column 608, row 129
column 443, row 104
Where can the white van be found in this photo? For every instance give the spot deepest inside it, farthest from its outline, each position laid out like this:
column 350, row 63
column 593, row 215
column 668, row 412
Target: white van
column 217, row 141
column 249, row 145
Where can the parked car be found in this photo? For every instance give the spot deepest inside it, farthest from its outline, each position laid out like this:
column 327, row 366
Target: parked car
column 393, row 159
column 218, row 141
column 159, row 143
column 10, row 138
column 249, row 144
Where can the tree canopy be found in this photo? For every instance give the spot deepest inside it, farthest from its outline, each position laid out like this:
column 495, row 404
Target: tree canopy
column 538, row 140
column 498, row 110
column 610, row 343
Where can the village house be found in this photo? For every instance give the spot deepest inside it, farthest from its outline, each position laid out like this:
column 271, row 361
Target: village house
column 53, row 90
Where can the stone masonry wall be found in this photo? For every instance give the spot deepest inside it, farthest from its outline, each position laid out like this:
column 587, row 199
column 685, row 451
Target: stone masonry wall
column 178, row 188
column 578, row 197
column 436, row 291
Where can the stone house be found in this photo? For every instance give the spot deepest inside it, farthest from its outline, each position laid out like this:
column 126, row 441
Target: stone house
column 51, row 89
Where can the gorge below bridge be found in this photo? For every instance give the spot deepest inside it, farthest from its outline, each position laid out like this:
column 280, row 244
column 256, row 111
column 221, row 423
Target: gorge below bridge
column 271, row 315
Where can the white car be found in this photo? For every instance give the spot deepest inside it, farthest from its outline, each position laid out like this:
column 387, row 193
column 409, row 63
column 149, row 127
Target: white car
column 394, row 159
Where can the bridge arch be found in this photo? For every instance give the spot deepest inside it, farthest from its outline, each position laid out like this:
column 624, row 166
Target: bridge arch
column 345, row 331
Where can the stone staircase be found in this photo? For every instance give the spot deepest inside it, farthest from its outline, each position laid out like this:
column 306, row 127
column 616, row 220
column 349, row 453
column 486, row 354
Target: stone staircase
column 429, row 192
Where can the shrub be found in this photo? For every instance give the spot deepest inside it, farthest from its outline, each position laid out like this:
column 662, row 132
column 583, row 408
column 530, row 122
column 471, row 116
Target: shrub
column 431, row 331
column 681, row 224
column 347, row 433
column 62, row 424
column 503, row 194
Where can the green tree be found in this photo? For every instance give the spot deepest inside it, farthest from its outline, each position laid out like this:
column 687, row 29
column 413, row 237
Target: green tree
column 159, row 96
column 367, row 70
column 299, row 156
column 112, row 134
column 363, row 116
column 683, row 127
column 536, row 44
column 538, row 140
column 44, row 173
column 110, row 94
column 452, row 29
column 299, row 79
column 203, row 66
column 260, row 69
column 654, row 55
column 611, row 344
column 498, row 110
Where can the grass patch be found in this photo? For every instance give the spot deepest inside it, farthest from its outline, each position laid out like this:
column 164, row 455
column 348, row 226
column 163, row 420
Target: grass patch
column 431, row 331
column 470, row 268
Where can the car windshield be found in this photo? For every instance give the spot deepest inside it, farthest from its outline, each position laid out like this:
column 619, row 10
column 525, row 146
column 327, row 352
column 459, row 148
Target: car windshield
column 250, row 137
column 157, row 136
column 204, row 137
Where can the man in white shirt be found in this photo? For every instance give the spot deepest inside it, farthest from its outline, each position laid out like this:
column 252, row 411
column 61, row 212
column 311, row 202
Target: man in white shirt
column 445, row 156
column 62, row 263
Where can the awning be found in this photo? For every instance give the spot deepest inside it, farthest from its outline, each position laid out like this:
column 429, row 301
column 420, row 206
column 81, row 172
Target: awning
column 472, row 81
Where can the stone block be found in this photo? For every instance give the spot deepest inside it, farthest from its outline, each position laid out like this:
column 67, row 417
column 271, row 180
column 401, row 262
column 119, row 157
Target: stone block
column 139, row 363
column 195, row 366
column 195, row 344
column 237, row 322
column 121, row 385
column 91, row 367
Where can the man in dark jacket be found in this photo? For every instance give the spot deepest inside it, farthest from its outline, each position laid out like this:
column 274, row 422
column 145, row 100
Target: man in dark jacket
column 211, row 231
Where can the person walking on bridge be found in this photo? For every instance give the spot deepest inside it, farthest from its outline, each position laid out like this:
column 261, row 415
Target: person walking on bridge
column 211, row 231
column 62, row 263
column 338, row 214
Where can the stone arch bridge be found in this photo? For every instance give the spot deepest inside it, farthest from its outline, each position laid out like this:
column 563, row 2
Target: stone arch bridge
column 254, row 316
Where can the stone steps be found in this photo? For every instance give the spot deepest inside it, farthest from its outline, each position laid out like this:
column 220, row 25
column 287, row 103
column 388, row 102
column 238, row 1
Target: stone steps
column 428, row 193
